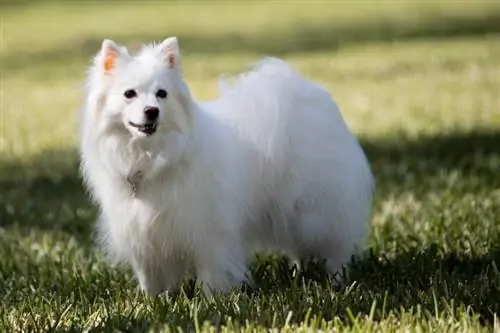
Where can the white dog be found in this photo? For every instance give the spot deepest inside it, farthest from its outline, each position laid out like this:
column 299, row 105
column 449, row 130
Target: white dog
column 195, row 189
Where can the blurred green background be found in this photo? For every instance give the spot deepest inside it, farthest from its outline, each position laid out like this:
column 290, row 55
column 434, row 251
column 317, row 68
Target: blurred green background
column 342, row 44
column 417, row 81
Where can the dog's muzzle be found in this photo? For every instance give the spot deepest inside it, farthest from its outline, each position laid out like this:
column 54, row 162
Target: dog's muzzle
column 146, row 128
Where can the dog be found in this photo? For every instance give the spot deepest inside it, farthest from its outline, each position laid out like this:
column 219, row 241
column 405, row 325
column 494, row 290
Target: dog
column 192, row 189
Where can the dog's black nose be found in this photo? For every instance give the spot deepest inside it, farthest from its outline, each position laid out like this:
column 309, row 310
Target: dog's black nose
column 151, row 113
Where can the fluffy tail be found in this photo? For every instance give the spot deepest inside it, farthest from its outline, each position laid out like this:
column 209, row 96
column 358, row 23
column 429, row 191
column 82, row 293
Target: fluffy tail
column 270, row 75
column 271, row 90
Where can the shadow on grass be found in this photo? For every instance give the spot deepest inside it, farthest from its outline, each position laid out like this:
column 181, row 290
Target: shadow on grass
column 309, row 37
column 429, row 164
column 423, row 277
column 426, row 278
column 45, row 193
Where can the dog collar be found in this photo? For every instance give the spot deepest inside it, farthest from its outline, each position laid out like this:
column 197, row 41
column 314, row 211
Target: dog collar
column 133, row 181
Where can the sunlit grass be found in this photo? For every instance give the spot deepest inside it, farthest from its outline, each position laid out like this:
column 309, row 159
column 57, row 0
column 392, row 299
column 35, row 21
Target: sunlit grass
column 416, row 88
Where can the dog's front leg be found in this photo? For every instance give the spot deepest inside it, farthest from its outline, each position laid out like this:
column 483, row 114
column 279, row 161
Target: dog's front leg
column 156, row 276
column 222, row 267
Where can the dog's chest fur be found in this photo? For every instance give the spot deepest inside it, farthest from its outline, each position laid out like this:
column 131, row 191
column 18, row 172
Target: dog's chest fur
column 152, row 210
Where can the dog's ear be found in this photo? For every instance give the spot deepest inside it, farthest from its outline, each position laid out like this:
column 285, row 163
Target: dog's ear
column 109, row 56
column 171, row 54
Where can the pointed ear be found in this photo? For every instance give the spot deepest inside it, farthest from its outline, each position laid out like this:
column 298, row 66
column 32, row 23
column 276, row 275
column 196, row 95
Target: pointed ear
column 109, row 56
column 170, row 53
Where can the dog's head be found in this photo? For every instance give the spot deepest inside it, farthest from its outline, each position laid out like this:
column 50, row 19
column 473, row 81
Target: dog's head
column 143, row 94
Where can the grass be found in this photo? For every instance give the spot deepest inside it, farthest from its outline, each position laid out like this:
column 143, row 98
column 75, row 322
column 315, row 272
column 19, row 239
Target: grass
column 421, row 93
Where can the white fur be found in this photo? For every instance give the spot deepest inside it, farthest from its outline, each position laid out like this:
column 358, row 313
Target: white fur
column 268, row 166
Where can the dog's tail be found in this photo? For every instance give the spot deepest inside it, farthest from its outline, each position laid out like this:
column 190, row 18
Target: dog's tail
column 272, row 76
column 273, row 89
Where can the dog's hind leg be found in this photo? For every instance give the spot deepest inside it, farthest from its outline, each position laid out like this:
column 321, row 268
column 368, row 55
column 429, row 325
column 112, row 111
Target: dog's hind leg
column 332, row 235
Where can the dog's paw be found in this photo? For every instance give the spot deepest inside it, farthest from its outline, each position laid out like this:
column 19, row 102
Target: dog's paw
column 149, row 287
column 222, row 283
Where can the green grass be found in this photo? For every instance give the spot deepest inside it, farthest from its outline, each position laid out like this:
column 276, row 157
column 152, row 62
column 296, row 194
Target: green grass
column 421, row 91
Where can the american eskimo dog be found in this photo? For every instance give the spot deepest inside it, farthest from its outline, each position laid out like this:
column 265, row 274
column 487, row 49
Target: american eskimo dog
column 188, row 189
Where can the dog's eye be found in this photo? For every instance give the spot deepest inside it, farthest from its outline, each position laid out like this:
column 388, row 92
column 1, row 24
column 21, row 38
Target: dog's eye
column 161, row 93
column 130, row 93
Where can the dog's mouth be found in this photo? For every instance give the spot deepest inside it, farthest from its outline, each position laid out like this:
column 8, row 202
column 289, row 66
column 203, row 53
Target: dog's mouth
column 147, row 128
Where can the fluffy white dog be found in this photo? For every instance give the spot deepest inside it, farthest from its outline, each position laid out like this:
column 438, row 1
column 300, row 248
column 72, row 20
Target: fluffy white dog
column 195, row 189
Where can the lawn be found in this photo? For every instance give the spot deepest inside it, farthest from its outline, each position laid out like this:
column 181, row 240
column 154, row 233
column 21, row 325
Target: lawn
column 417, row 82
